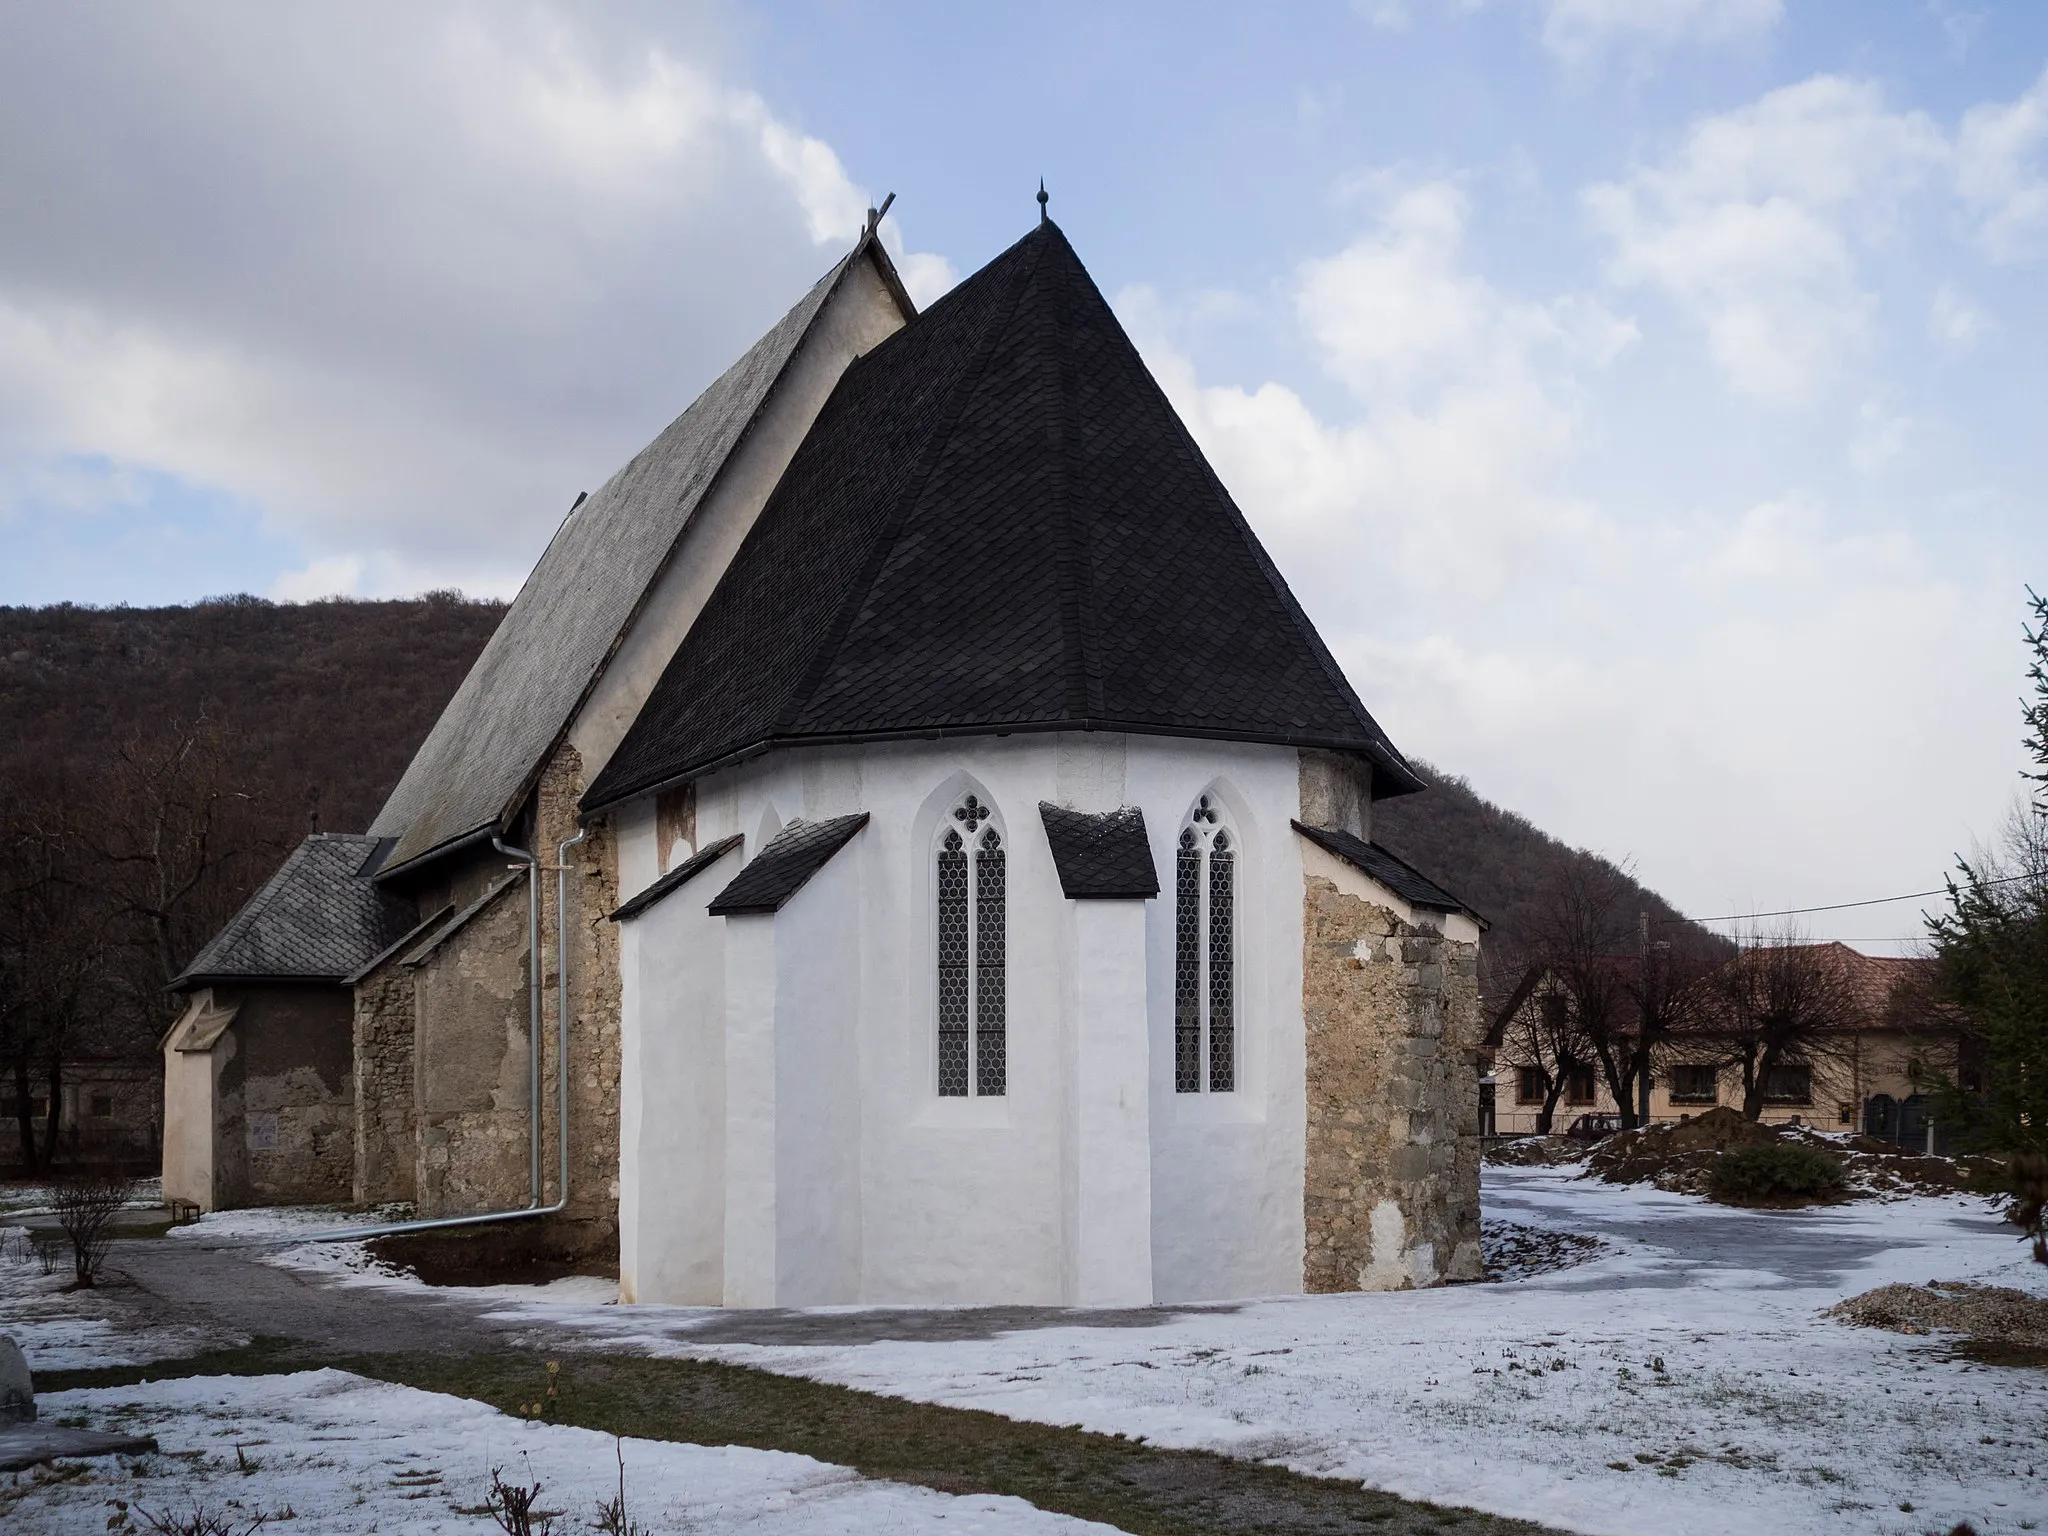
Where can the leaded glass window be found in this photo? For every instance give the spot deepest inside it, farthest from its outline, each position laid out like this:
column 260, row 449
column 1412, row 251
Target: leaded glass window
column 1205, row 954
column 972, row 955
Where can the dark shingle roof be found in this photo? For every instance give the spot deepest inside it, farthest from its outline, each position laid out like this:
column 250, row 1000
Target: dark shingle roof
column 997, row 523
column 779, row 871
column 493, row 737
column 678, row 877
column 1404, row 880
column 1100, row 855
column 316, row 919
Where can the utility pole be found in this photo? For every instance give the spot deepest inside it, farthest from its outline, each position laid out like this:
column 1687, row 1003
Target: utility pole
column 1643, row 1019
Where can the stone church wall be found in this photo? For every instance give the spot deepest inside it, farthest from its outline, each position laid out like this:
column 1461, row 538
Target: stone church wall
column 591, row 1222
column 386, row 1147
column 1392, row 1019
column 471, row 1101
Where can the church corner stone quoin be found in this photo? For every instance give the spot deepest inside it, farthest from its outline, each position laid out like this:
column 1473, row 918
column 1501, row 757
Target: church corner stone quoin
column 942, row 841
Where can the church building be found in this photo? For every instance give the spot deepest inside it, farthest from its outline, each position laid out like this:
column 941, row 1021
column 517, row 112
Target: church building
column 907, row 844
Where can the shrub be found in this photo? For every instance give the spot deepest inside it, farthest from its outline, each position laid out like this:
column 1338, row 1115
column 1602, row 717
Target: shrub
column 86, row 1205
column 1773, row 1174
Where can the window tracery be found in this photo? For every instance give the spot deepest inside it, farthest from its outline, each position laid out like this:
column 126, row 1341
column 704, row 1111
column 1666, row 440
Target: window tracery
column 1205, row 954
column 973, row 994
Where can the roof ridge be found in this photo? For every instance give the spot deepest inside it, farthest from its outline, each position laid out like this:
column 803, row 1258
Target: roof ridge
column 913, row 491
column 1076, row 554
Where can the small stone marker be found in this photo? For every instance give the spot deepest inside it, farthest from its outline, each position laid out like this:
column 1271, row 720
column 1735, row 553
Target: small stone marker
column 25, row 1443
column 17, row 1387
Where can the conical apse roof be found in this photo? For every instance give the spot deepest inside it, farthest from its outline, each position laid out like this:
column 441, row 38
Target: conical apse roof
column 997, row 523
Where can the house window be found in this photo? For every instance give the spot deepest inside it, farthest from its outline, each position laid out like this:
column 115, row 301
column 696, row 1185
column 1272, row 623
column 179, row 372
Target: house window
column 1789, row 1084
column 1205, row 954
column 973, row 956
column 1695, row 1084
column 1530, row 1085
column 1578, row 1087
column 102, row 1105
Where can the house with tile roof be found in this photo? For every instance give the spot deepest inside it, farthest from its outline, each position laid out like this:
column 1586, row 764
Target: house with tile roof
column 907, row 844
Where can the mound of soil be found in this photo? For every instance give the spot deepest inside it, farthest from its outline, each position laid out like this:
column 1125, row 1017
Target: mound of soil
column 1676, row 1157
column 1533, row 1152
column 1680, row 1158
column 1998, row 1325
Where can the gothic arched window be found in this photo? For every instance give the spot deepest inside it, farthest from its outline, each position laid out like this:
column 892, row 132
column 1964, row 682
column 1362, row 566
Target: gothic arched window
column 972, row 952
column 1205, row 954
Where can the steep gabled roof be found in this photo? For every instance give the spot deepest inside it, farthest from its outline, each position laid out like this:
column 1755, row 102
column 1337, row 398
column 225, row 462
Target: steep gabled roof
column 997, row 523
column 317, row 919
column 492, row 740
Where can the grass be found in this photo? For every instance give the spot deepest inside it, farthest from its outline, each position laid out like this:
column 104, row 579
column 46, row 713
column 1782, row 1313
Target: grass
column 1122, row 1482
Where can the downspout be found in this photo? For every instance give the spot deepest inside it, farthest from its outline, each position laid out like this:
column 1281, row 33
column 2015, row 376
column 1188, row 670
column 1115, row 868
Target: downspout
column 533, row 1206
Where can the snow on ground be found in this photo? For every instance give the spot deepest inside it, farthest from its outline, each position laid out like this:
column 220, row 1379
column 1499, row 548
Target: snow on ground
column 61, row 1329
column 1685, row 1383
column 333, row 1452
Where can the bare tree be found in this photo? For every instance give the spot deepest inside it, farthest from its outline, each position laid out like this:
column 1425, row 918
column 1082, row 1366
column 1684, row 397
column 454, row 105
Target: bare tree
column 1583, row 942
column 1670, row 990
column 1543, row 1035
column 1781, row 1004
column 53, row 947
column 179, row 846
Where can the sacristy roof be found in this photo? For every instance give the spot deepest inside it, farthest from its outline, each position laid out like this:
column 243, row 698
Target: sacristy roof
column 317, row 919
column 492, row 740
column 997, row 523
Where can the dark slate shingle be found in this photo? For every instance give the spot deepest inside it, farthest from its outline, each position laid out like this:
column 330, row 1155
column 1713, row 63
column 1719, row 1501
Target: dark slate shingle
column 523, row 689
column 1404, row 880
column 316, row 919
column 997, row 523
column 780, row 870
column 1100, row 856
column 678, row 877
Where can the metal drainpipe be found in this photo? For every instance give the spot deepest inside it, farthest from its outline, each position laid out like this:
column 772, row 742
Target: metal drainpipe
column 533, row 981
column 562, row 1007
column 533, row 1206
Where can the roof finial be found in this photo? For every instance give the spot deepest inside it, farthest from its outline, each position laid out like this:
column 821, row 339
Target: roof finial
column 1043, row 217
column 876, row 215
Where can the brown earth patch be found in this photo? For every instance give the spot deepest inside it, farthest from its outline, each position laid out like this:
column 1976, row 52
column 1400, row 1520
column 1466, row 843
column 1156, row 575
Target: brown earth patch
column 1996, row 1325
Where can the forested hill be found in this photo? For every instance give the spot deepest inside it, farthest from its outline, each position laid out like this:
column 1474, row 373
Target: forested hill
column 319, row 706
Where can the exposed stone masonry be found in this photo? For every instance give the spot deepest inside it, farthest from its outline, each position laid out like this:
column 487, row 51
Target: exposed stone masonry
column 385, row 1146
column 1391, row 1012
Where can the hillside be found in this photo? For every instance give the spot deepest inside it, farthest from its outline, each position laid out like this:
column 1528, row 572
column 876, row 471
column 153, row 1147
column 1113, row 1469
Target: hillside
column 1505, row 866
column 319, row 706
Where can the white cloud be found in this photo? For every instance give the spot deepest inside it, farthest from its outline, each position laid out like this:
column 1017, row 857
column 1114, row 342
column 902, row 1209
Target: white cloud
column 1580, row 32
column 341, row 576
column 1467, row 411
column 2000, row 175
column 1753, row 227
column 1955, row 322
column 1709, row 689
column 1387, row 15
column 404, row 283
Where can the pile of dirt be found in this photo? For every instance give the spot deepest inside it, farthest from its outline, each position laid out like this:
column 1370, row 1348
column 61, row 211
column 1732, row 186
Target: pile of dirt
column 1676, row 1157
column 1997, row 1324
column 1533, row 1152
column 1680, row 1158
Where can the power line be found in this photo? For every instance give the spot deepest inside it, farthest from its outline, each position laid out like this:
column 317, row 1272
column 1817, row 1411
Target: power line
column 1839, row 906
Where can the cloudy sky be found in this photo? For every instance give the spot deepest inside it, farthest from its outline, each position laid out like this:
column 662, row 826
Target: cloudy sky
column 1644, row 396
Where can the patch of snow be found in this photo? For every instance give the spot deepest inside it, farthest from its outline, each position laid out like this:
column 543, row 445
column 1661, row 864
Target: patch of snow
column 1684, row 1382
column 332, row 1452
column 60, row 1329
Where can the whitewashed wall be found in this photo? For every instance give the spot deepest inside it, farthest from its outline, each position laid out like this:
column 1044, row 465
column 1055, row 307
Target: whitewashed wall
column 851, row 1179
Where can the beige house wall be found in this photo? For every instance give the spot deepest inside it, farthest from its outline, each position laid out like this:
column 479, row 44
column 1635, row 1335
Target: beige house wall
column 1853, row 1071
